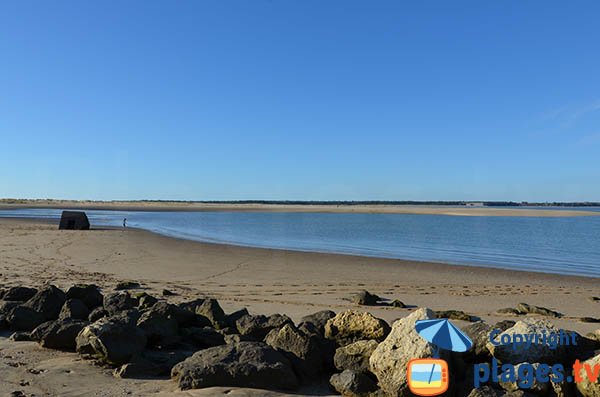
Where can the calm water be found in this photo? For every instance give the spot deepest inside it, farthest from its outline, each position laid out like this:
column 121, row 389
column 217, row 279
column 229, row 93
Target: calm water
column 553, row 245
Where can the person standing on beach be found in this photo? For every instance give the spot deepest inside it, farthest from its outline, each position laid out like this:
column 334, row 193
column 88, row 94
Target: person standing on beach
column 124, row 222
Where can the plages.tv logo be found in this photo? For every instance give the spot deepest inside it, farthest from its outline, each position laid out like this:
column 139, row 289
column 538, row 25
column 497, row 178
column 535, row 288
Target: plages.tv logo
column 429, row 376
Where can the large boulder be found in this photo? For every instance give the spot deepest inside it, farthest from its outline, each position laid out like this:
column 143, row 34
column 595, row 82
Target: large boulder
column 118, row 301
column 113, row 340
column 353, row 384
column 390, row 359
column 535, row 353
column 479, row 333
column 89, row 294
column 58, row 334
column 586, row 387
column 256, row 328
column 201, row 337
column 247, row 364
column 7, row 306
column 211, row 309
column 75, row 309
column 160, row 327
column 22, row 318
column 18, row 294
column 303, row 351
column 351, row 326
column 97, row 314
column 355, row 356
column 151, row 364
column 48, row 301
column 318, row 319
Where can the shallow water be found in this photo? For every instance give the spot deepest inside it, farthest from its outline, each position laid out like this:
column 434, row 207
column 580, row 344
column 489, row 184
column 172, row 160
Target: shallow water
column 569, row 245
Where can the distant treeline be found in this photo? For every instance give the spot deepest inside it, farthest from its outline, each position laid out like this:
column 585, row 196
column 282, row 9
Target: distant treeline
column 380, row 202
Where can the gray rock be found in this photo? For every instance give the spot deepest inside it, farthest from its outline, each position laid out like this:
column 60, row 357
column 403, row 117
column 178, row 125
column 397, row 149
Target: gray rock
column 211, row 309
column 97, row 314
column 75, row 309
column 151, row 364
column 48, row 301
column 390, row 359
column 113, row 340
column 485, row 391
column 353, row 384
column 183, row 316
column 89, row 294
column 364, row 297
column 397, row 303
column 233, row 317
column 355, row 356
column 146, row 301
column 351, row 326
column 125, row 285
column 524, row 308
column 20, row 336
column 247, row 364
column 202, row 337
column 256, row 328
column 160, row 327
column 118, row 301
column 7, row 306
column 303, row 351
column 479, row 333
column 19, row 294
column 58, row 334
column 454, row 315
column 318, row 319
column 535, row 387
column 22, row 318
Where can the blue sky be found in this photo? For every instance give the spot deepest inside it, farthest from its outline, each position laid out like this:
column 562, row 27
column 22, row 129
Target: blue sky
column 302, row 99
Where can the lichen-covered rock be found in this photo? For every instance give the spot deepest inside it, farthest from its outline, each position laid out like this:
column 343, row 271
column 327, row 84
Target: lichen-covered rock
column 390, row 359
column 353, row 384
column 113, row 340
column 586, row 387
column 351, row 326
column 89, row 294
column 355, row 356
column 247, row 364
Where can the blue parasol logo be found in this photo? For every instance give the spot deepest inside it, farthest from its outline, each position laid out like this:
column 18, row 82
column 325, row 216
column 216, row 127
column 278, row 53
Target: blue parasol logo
column 443, row 334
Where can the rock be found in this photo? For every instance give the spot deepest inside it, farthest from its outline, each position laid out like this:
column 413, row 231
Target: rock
column 353, row 384
column 535, row 353
column 211, row 309
column 58, row 334
column 233, row 317
column 454, row 315
column 20, row 336
column 202, row 337
column 22, row 318
column 48, row 301
column 504, row 324
column 595, row 335
column 524, row 308
column 586, row 387
column 355, row 356
column 118, row 301
column 184, row 317
column 390, row 359
column 3, row 323
column 166, row 292
column 97, row 314
column 151, row 364
column 589, row 320
column 125, row 285
column 19, row 294
column 508, row 311
column 594, row 298
column 365, row 298
column 397, row 303
column 318, row 319
column 256, row 328
column 146, row 301
column 350, row 326
column 113, row 340
column 485, row 391
column 247, row 364
column 522, row 375
column 7, row 306
column 89, row 294
column 75, row 309
column 160, row 327
column 479, row 333
column 302, row 350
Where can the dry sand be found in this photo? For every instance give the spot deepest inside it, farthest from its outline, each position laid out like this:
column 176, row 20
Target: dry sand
column 329, row 208
column 265, row 281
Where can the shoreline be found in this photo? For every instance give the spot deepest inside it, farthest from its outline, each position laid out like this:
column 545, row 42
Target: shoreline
column 402, row 261
column 306, row 208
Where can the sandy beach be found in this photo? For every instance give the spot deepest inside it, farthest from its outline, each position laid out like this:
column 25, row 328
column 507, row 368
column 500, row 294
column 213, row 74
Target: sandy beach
column 330, row 208
column 262, row 280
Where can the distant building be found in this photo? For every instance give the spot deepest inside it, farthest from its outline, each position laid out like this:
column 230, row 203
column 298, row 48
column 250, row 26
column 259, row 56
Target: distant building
column 475, row 204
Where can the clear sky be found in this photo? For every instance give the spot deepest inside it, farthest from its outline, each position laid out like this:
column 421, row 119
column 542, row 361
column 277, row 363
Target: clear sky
column 323, row 100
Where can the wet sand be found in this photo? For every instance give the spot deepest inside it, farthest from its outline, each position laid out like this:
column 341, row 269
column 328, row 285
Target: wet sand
column 263, row 280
